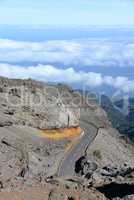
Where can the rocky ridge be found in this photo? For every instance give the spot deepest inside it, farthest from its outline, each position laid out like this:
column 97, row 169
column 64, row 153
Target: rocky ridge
column 29, row 162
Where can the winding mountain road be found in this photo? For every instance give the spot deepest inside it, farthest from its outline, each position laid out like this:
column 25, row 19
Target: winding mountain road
column 67, row 165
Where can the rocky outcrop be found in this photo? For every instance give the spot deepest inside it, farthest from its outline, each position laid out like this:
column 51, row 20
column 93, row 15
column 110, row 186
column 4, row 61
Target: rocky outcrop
column 32, row 103
column 114, row 183
column 108, row 165
column 84, row 167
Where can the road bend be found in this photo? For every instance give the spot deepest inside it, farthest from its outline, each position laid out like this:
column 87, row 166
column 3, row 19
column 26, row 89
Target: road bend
column 67, row 165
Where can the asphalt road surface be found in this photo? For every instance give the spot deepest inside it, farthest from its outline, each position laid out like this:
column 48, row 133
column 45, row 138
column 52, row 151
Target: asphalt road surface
column 67, row 165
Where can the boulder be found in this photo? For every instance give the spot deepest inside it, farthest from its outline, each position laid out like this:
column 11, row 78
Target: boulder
column 85, row 167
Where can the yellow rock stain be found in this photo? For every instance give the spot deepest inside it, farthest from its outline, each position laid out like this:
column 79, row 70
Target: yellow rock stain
column 60, row 134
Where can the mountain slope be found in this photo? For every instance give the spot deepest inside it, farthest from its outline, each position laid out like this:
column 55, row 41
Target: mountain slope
column 125, row 124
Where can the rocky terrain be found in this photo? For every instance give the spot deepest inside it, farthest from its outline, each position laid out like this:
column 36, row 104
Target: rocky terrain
column 26, row 108
column 31, row 103
column 98, row 164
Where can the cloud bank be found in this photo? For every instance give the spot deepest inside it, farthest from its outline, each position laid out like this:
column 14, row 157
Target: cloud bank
column 49, row 73
column 83, row 53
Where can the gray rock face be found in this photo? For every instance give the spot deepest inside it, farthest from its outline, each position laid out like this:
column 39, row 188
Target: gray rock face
column 85, row 167
column 31, row 103
column 129, row 197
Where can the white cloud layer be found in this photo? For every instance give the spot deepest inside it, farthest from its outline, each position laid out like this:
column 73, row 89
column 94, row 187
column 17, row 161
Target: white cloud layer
column 83, row 52
column 49, row 73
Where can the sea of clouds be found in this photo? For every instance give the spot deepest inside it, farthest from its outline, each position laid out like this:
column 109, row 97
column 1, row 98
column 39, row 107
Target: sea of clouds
column 85, row 53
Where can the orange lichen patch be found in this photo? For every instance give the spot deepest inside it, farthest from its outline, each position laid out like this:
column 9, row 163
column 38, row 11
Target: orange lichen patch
column 60, row 134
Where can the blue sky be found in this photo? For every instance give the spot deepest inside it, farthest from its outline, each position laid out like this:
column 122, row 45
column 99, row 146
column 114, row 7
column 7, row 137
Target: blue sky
column 77, row 12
